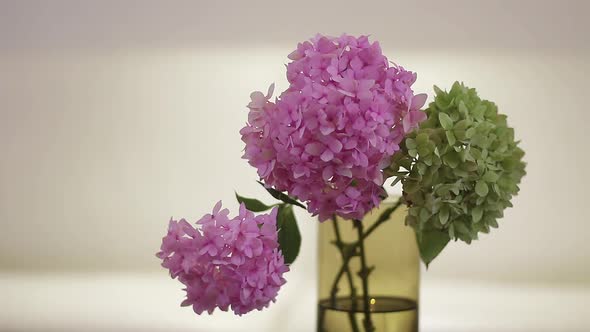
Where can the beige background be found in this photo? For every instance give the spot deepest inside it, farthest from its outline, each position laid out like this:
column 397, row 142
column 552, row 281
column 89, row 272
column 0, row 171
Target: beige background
column 116, row 116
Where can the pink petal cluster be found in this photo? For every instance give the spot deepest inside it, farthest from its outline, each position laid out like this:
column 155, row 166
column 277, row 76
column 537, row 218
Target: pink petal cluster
column 327, row 138
column 226, row 262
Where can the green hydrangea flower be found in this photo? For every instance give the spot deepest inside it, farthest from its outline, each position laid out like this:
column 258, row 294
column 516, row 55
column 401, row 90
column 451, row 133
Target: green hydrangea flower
column 459, row 170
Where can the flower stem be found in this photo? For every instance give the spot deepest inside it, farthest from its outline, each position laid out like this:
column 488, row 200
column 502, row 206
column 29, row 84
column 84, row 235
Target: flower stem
column 374, row 226
column 353, row 248
column 364, row 274
column 346, row 270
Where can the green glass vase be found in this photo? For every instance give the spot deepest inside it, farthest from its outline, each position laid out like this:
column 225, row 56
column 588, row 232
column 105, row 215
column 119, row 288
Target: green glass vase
column 391, row 270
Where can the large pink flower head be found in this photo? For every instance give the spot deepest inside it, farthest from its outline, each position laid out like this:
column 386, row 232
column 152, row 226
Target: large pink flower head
column 226, row 262
column 327, row 138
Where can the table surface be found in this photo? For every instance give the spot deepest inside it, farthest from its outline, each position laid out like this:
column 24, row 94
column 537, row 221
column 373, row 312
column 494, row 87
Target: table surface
column 150, row 301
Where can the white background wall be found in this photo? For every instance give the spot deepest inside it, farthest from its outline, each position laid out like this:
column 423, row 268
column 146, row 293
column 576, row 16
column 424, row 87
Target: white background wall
column 116, row 116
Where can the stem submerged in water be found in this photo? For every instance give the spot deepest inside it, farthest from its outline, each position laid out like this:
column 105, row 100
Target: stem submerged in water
column 346, row 270
column 349, row 250
column 364, row 274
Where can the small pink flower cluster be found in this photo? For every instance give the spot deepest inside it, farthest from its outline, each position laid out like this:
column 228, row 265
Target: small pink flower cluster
column 328, row 137
column 226, row 262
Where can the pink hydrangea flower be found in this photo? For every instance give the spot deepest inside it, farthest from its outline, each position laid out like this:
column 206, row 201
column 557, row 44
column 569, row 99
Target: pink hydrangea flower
column 226, row 262
column 327, row 138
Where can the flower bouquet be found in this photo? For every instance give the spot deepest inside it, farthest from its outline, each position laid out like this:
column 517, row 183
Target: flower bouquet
column 348, row 123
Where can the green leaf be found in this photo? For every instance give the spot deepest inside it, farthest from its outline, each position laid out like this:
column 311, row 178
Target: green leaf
column 410, row 143
column 459, row 172
column 282, row 197
column 443, row 215
column 289, row 236
column 481, row 188
column 478, row 112
column 424, row 215
column 461, row 228
column 450, row 137
column 431, row 243
column 422, row 139
column 423, row 150
column 469, row 165
column 452, row 159
column 461, row 125
column 445, row 121
column 478, row 139
column 493, row 223
column 437, row 90
column 490, row 177
column 252, row 204
column 496, row 188
column 422, row 168
column 462, row 108
column 441, row 103
column 477, row 213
